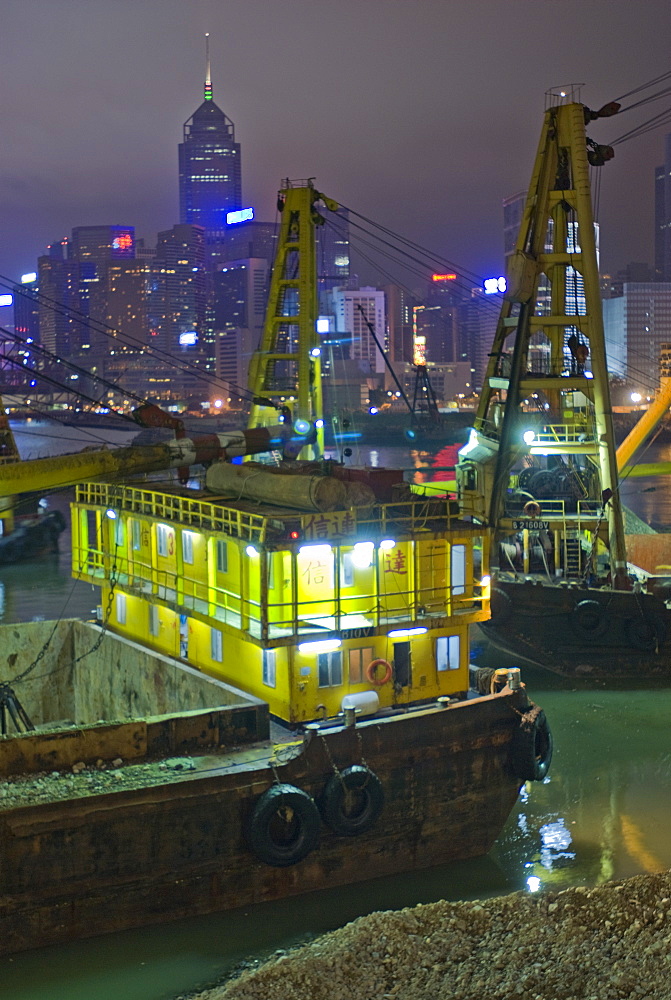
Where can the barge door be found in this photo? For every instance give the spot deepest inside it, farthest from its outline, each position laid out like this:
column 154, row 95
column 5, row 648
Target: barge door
column 402, row 664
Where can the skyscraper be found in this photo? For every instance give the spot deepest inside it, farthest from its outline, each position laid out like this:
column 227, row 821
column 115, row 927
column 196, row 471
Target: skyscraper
column 210, row 177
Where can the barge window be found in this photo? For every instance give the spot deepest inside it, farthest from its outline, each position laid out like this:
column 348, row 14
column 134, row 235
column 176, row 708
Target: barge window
column 162, row 539
column 187, row 547
column 119, row 533
column 329, row 667
column 136, row 536
column 216, row 645
column 269, row 667
column 447, row 652
column 458, row 571
column 120, row 608
column 346, row 570
column 222, row 557
column 154, row 621
column 358, row 661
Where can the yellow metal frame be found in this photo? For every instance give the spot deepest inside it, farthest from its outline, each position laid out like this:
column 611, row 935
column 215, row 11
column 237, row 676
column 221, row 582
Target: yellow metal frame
column 559, row 186
column 286, row 370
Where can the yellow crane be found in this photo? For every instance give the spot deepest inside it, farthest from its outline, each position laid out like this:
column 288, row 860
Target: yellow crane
column 285, row 370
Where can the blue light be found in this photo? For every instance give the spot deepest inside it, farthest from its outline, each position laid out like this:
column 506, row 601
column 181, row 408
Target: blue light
column 302, row 427
column 243, row 215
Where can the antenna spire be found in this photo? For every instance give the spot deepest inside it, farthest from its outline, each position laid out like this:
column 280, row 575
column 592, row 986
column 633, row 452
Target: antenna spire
column 208, row 75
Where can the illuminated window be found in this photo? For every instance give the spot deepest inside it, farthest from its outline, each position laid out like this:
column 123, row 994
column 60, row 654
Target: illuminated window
column 162, row 539
column 187, row 547
column 358, row 661
column 120, row 608
column 154, row 620
column 346, row 570
column 119, row 532
column 269, row 676
column 458, row 569
column 447, row 652
column 222, row 557
column 216, row 645
column 329, row 667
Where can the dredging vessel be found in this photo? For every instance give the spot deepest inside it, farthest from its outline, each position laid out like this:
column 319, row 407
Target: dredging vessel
column 282, row 661
column 541, row 467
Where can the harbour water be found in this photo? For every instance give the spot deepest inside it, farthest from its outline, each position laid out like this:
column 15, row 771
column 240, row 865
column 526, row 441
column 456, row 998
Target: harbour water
column 603, row 812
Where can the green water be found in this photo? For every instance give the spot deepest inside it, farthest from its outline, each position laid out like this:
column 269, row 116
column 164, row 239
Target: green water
column 603, row 812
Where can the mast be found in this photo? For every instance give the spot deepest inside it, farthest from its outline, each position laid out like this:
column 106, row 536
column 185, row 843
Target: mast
column 285, row 371
column 208, row 74
column 544, row 424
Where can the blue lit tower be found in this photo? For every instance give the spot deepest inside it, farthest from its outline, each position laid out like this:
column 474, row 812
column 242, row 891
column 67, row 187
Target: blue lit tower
column 210, row 179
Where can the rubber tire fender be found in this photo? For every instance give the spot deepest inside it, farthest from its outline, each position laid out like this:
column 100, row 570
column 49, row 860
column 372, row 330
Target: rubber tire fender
column 368, row 788
column 589, row 618
column 533, row 749
column 501, row 608
column 298, row 811
column 646, row 633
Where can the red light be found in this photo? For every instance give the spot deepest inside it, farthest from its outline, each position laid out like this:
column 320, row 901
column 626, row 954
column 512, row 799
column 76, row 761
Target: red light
column 294, row 535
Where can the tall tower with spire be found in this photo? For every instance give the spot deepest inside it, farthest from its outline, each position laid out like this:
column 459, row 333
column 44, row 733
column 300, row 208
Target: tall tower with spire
column 210, row 176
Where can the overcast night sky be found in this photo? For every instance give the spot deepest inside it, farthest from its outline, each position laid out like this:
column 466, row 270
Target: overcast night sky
column 421, row 114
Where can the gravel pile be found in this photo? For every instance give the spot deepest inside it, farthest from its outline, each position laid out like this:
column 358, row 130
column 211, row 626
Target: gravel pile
column 93, row 779
column 606, row 943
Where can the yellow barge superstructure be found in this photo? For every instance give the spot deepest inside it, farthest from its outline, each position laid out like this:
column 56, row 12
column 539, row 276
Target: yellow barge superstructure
column 300, row 609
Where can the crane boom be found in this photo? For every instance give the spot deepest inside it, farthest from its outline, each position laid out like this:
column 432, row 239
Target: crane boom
column 42, row 474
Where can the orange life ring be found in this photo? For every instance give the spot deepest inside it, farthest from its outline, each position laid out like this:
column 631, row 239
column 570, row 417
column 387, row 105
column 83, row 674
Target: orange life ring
column 372, row 677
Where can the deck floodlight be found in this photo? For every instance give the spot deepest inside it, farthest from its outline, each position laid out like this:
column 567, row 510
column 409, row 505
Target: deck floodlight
column 402, row 632
column 387, row 543
column 252, row 551
column 112, row 514
column 362, row 555
column 529, row 437
column 321, row 646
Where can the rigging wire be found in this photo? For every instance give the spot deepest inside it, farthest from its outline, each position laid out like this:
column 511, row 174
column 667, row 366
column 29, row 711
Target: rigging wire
column 98, row 326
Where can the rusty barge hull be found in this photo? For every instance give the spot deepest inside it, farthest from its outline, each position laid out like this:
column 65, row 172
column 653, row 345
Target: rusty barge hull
column 579, row 632
column 103, row 863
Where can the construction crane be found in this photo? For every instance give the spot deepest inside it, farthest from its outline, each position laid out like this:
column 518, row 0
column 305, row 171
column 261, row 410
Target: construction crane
column 545, row 413
column 285, row 370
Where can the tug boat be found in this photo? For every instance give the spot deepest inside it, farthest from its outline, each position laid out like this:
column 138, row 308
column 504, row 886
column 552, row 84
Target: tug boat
column 282, row 661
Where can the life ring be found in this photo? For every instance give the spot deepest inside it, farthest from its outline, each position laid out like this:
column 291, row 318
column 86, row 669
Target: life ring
column 533, row 746
column 352, row 800
column 284, row 826
column 589, row 618
column 371, row 675
column 532, row 509
column 645, row 633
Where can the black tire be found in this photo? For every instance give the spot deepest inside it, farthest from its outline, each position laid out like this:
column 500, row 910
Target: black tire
column 533, row 748
column 501, row 608
column 284, row 826
column 646, row 634
column 352, row 801
column 589, row 618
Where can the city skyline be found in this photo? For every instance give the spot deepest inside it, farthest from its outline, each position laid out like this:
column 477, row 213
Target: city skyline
column 412, row 135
